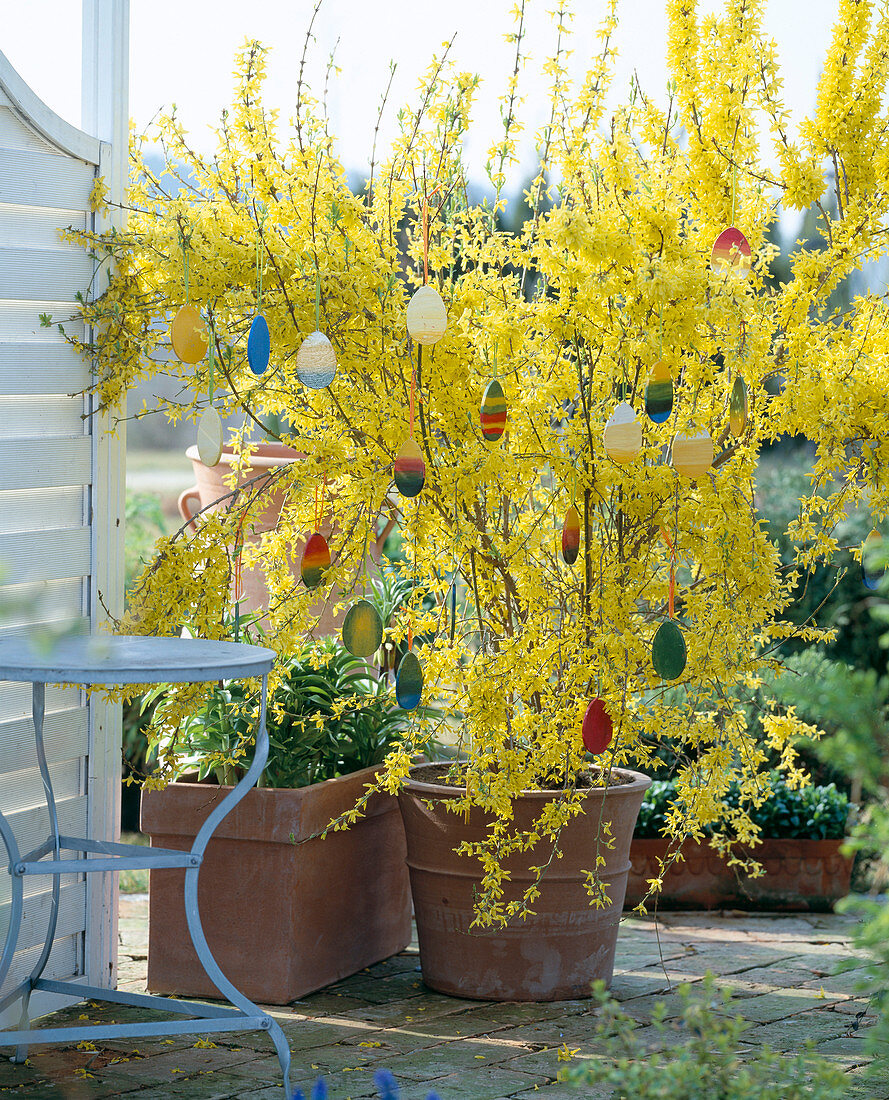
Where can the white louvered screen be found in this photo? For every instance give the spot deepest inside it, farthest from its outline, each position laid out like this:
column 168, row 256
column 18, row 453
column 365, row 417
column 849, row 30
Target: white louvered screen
column 47, row 502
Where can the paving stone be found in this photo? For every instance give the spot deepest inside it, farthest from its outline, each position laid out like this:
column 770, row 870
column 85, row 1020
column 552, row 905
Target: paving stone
column 793, row 1033
column 767, row 1007
column 485, row 1083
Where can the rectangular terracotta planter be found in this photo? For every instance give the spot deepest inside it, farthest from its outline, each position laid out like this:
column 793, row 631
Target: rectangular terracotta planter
column 800, row 875
column 281, row 918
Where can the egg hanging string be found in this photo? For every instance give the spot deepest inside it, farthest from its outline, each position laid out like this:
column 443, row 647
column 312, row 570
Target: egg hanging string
column 211, row 362
column 672, row 587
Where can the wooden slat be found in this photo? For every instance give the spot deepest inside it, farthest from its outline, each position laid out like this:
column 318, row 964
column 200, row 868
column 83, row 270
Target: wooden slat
column 43, row 179
column 64, row 736
column 64, row 962
column 37, row 227
column 42, row 417
column 35, row 274
column 52, row 555
column 15, row 699
column 45, row 463
column 72, row 915
column 31, row 827
column 23, row 790
column 40, row 509
column 22, row 320
column 41, row 366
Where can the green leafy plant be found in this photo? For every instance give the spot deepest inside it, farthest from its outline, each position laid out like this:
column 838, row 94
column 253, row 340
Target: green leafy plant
column 814, row 813
column 703, row 1061
column 327, row 716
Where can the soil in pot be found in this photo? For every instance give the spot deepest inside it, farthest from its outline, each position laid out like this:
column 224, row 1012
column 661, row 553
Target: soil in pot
column 554, row 954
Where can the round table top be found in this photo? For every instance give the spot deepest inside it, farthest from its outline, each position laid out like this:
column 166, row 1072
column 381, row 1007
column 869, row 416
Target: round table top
column 123, row 659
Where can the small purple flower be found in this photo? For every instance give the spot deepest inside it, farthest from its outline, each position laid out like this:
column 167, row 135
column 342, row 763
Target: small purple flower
column 386, row 1085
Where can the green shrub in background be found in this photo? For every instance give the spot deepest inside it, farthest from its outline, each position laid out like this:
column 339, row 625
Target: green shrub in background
column 701, row 1060
column 145, row 524
column 814, row 813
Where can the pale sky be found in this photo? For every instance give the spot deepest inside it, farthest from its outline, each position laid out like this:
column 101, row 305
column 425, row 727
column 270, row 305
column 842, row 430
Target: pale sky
column 181, row 52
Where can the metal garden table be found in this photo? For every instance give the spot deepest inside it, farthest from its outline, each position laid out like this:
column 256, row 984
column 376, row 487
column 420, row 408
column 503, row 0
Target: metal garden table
column 114, row 660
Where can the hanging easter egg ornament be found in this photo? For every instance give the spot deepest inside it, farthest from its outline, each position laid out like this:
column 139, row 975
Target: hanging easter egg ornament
column 731, row 253
column 571, row 536
column 316, row 361
column 409, row 682
column 188, row 335
column 738, row 407
column 409, row 471
column 315, row 561
column 872, row 568
column 493, row 412
column 362, row 629
column 258, row 344
column 693, row 454
column 623, row 434
column 210, row 437
column 659, row 393
column 427, row 318
column 668, row 652
column 598, row 728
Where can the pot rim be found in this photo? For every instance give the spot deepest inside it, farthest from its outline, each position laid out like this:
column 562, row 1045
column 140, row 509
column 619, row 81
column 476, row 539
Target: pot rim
column 258, row 461
column 641, row 782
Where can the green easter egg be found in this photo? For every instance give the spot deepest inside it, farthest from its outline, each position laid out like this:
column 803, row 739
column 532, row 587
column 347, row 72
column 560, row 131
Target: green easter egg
column 668, row 652
column 362, row 629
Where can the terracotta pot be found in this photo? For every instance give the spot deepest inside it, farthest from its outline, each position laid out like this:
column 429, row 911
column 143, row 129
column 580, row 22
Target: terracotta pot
column 281, row 918
column 554, row 954
column 800, row 875
column 211, row 486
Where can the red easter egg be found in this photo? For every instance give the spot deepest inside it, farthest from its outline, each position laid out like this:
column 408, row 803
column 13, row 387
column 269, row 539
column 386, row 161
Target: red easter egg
column 598, row 729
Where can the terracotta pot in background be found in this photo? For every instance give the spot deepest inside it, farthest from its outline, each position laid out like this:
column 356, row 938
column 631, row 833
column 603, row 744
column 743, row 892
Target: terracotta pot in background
column 211, row 487
column 553, row 955
column 281, row 918
column 800, row 875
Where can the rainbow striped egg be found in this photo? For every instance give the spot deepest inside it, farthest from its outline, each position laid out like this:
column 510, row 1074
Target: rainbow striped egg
column 315, row 561
column 493, row 412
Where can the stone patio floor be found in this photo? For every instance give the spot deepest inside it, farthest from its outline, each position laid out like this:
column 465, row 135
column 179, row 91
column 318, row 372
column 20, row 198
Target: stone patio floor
column 782, row 968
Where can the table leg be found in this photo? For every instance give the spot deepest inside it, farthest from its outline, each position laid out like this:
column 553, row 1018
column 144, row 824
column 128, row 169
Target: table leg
column 192, row 914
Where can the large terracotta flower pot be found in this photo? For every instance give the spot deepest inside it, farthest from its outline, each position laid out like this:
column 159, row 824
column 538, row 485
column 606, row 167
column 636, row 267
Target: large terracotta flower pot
column 282, row 918
column 553, row 955
column 212, row 486
column 800, row 875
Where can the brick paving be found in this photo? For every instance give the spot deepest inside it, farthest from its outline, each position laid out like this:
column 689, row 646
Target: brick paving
column 782, row 968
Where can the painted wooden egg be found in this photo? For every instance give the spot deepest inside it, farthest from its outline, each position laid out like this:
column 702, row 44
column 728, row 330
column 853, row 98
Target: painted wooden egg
column 362, row 629
column 693, row 454
column 409, row 682
column 623, row 434
column 571, row 536
column 315, row 561
column 210, row 437
column 258, row 344
column 872, row 569
column 409, row 470
column 427, row 318
column 738, row 408
column 316, row 361
column 598, row 728
column 668, row 652
column 731, row 253
column 189, row 336
column 493, row 412
column 659, row 393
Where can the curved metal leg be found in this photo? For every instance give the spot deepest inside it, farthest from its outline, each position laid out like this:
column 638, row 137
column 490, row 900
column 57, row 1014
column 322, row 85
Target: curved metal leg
column 192, row 914
column 15, row 912
column 38, row 710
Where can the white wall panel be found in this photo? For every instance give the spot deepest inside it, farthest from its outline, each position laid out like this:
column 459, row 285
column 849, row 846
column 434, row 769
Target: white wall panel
column 41, row 366
column 49, row 463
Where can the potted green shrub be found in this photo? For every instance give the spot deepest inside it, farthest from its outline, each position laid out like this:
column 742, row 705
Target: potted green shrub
column 797, row 864
column 317, row 907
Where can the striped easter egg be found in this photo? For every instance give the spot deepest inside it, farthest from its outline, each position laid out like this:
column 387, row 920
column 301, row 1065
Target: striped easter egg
column 409, row 682
column 188, row 335
column 623, row 434
column 872, row 569
column 693, row 454
column 659, row 393
column 316, row 361
column 427, row 318
column 315, row 561
column 738, row 407
column 258, row 344
column 362, row 629
column 493, row 412
column 668, row 652
column 409, row 470
column 571, row 536
column 731, row 253
column 598, row 728
column 210, row 437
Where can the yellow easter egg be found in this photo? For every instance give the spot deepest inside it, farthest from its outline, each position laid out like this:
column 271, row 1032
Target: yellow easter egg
column 188, row 335
column 427, row 318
